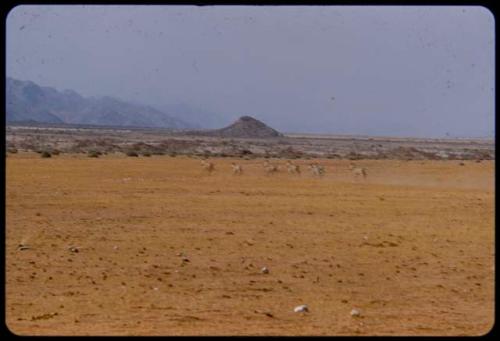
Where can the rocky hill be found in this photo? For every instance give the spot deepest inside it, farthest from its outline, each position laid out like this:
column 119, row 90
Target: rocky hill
column 244, row 127
column 29, row 102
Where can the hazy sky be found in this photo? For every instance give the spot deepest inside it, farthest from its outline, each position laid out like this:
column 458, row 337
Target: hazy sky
column 372, row 70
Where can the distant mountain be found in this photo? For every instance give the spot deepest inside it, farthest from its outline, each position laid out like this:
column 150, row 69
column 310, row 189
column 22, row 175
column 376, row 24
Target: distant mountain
column 23, row 103
column 27, row 101
column 244, row 127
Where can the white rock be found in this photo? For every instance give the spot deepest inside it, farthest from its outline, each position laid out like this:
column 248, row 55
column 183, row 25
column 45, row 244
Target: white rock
column 301, row 308
column 355, row 312
column 264, row 270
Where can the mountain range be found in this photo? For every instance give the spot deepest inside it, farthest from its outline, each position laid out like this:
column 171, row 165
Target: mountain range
column 26, row 101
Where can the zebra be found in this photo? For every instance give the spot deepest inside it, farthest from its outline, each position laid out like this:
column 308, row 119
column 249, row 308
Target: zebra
column 316, row 169
column 292, row 168
column 358, row 171
column 208, row 166
column 237, row 169
column 269, row 168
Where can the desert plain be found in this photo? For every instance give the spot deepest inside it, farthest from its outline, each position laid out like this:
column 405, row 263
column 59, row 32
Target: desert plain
column 155, row 245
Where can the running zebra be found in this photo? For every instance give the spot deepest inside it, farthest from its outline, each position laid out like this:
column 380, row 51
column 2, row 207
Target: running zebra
column 292, row 168
column 358, row 171
column 317, row 169
column 208, row 166
column 270, row 168
column 237, row 169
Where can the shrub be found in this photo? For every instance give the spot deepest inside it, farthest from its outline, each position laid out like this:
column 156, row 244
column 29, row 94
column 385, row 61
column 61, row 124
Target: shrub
column 56, row 152
column 132, row 153
column 146, row 154
column 140, row 145
column 46, row 154
column 12, row 150
column 93, row 153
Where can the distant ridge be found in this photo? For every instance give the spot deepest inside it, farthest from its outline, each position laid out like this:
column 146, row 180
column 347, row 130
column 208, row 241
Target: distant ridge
column 28, row 102
column 244, row 127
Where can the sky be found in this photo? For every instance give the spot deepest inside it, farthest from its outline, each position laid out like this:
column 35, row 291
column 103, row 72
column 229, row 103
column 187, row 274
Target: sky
column 417, row 71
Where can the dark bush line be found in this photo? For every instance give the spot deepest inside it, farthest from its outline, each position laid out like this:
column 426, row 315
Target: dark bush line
column 94, row 153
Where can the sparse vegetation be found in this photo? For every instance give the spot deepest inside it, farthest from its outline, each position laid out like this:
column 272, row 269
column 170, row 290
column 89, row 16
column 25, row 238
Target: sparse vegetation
column 354, row 156
column 244, row 152
column 132, row 153
column 94, row 153
column 85, row 141
column 12, row 150
column 45, row 154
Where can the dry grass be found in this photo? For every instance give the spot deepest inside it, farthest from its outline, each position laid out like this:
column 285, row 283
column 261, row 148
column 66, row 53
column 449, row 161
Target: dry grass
column 411, row 247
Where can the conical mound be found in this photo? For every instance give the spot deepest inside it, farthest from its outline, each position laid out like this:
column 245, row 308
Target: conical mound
column 247, row 126
column 244, row 127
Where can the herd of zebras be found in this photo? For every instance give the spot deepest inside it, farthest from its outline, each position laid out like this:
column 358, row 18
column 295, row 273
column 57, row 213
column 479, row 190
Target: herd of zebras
column 292, row 168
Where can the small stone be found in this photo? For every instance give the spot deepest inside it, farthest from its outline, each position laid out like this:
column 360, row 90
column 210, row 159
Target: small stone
column 301, row 309
column 264, row 270
column 355, row 313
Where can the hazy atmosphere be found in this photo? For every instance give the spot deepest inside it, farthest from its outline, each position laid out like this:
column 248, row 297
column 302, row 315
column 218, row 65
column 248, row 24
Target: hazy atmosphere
column 392, row 71
column 239, row 170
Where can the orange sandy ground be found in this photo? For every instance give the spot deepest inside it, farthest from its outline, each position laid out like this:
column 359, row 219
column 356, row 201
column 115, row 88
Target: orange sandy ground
column 411, row 247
